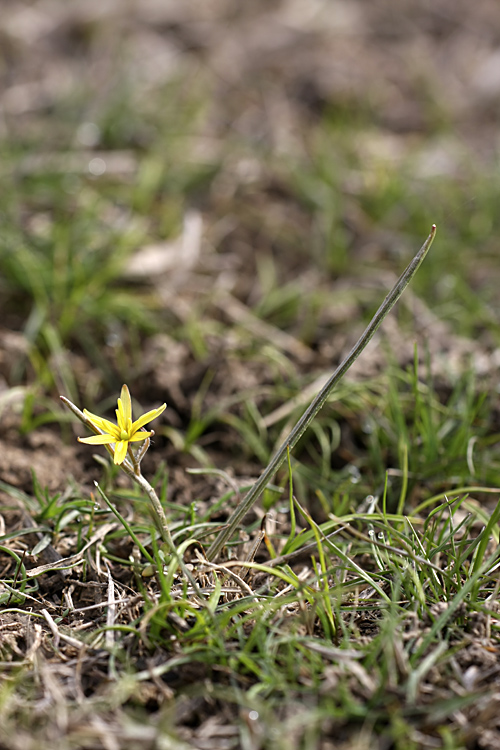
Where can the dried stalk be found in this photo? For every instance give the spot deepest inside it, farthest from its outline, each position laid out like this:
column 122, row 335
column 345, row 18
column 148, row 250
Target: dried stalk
column 254, row 493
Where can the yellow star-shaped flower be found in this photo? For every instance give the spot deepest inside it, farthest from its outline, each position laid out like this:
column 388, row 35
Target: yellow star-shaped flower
column 125, row 431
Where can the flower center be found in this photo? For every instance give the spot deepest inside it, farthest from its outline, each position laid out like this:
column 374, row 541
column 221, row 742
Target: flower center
column 124, row 435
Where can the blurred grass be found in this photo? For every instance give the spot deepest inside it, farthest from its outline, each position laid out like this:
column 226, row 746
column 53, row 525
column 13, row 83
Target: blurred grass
column 400, row 464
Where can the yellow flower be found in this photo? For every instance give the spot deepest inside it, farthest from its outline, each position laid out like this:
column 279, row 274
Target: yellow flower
column 125, row 431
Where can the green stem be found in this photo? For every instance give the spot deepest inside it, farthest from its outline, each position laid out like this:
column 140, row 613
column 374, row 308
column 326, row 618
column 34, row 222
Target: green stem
column 125, row 525
column 157, row 507
column 311, row 412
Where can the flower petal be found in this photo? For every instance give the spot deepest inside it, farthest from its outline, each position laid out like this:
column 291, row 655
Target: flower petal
column 102, row 424
column 98, row 440
column 148, row 417
column 120, row 451
column 125, row 404
column 125, row 431
column 139, row 436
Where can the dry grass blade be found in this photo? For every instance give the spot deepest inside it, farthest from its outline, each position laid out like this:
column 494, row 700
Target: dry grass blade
column 111, row 613
column 70, row 562
column 58, row 636
column 310, row 413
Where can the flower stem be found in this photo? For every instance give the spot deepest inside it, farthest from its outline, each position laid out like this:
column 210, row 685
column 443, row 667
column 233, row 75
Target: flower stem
column 157, row 507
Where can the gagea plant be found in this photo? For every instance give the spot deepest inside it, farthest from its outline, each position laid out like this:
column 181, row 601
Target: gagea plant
column 117, row 439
